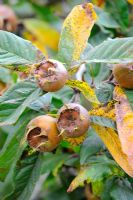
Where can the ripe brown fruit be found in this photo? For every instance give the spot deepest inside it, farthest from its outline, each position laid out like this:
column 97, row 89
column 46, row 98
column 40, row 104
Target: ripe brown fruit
column 73, row 120
column 123, row 74
column 51, row 75
column 8, row 19
column 42, row 134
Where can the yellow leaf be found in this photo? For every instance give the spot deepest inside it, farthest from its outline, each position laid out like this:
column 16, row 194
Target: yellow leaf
column 130, row 1
column 112, row 142
column 76, row 30
column 43, row 33
column 124, row 121
column 107, row 111
column 86, row 90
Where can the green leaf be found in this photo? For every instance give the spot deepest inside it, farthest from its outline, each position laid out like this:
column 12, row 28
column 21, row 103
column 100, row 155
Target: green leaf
column 97, row 187
column 106, row 19
column 104, row 92
column 112, row 51
column 26, row 175
column 97, row 72
column 99, row 169
column 42, row 103
column 5, row 75
column 16, row 100
column 121, row 192
column 107, row 187
column 52, row 101
column 51, row 161
column 103, row 121
column 129, row 94
column 120, row 11
column 13, row 147
column 17, row 51
column 90, row 146
column 3, row 137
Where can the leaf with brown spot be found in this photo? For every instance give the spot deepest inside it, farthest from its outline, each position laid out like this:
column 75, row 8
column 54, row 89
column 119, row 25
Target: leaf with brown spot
column 124, row 121
column 112, row 142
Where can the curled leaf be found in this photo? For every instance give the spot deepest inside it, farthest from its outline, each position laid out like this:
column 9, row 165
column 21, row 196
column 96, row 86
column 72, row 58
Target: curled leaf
column 112, row 142
column 124, row 121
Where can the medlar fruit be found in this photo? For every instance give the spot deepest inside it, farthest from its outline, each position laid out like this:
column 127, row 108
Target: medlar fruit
column 51, row 75
column 73, row 120
column 8, row 19
column 123, row 74
column 42, row 133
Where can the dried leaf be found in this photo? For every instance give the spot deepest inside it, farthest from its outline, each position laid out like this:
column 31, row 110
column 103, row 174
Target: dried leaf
column 86, row 90
column 124, row 121
column 75, row 32
column 112, row 142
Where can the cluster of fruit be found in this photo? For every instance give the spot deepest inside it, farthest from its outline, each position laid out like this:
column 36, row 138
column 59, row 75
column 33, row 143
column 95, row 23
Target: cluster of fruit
column 45, row 132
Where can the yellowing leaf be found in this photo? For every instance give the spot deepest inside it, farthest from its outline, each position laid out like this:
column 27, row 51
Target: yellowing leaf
column 124, row 121
column 95, row 172
column 28, row 36
column 130, row 1
column 107, row 111
column 43, row 34
column 112, row 142
column 76, row 30
column 86, row 90
column 73, row 70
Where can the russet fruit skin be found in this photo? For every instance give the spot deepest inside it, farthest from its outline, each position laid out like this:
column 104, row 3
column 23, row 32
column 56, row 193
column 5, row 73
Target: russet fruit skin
column 42, row 134
column 73, row 120
column 123, row 74
column 8, row 19
column 51, row 75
